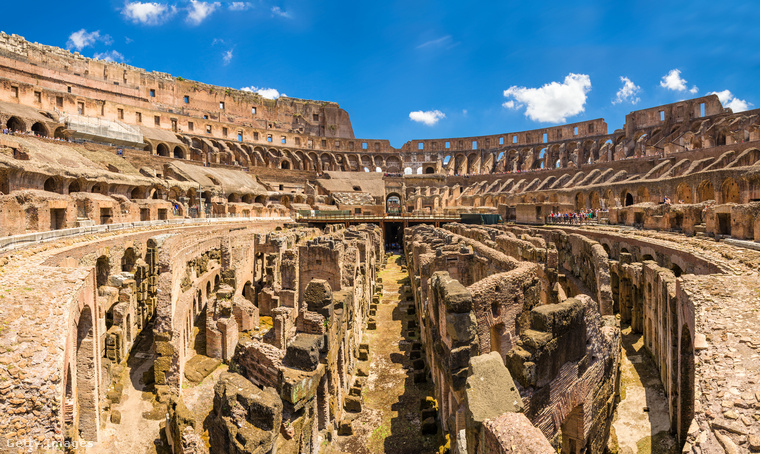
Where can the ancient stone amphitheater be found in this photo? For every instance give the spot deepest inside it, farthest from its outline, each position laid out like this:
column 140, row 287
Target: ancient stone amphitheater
column 191, row 268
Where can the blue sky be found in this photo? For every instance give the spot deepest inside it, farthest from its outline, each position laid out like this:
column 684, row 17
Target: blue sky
column 419, row 69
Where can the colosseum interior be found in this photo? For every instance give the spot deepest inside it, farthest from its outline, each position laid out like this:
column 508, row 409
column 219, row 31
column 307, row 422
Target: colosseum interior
column 188, row 268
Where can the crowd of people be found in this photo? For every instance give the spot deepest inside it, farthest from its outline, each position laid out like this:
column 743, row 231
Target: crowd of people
column 586, row 216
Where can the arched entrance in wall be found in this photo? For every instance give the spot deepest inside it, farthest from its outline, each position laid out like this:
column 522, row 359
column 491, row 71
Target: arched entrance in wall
column 285, row 164
column 628, row 198
column 729, row 191
column 86, row 373
column 580, row 201
column 50, row 185
column 705, row 191
column 262, row 199
column 128, row 260
column 429, row 170
column 393, row 204
column 40, row 129
column 58, row 134
column 16, row 124
column 74, row 187
column 179, row 153
column 683, row 193
column 162, row 150
column 596, row 203
column 102, row 268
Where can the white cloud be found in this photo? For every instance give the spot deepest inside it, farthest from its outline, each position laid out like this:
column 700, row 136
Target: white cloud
column 729, row 100
column 553, row 102
column 81, row 39
column 227, row 57
column 239, row 6
column 435, row 42
column 199, row 11
column 429, row 117
column 148, row 13
column 277, row 11
column 268, row 93
column 111, row 55
column 628, row 92
column 673, row 81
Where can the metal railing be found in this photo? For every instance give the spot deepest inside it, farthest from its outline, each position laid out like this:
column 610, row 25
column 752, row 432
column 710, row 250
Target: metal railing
column 17, row 241
column 375, row 217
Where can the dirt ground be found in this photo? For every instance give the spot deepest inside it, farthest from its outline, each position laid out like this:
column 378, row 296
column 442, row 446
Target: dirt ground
column 390, row 418
column 642, row 421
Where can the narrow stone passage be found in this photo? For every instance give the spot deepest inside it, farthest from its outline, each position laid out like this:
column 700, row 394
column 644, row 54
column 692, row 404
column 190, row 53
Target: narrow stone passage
column 390, row 420
column 642, row 421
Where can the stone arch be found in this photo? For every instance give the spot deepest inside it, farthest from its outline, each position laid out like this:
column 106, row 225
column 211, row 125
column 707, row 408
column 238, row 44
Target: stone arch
column 580, row 201
column 50, row 185
column 393, row 164
column 594, row 200
column 627, row 198
column 40, row 129
column 16, row 124
column 59, row 133
column 729, row 191
column 262, row 199
column 683, row 193
column 99, row 188
column 137, row 193
column 705, row 191
column 179, row 153
column 128, row 260
column 74, row 186
column 102, row 270
column 86, row 373
column 285, row 164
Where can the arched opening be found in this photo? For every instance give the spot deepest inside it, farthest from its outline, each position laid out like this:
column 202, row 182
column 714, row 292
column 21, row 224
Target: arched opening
column 58, row 134
column 580, row 201
column 429, row 170
column 15, row 124
column 407, row 171
column 179, row 153
column 128, row 260
column 677, row 271
column 86, row 374
column 162, row 150
column 136, row 193
column 628, row 199
column 285, row 165
column 705, row 191
column 393, row 204
column 50, row 185
column 729, row 191
column 683, row 193
column 262, row 199
column 247, row 198
column 74, row 187
column 99, row 188
column 39, row 129
column 102, row 268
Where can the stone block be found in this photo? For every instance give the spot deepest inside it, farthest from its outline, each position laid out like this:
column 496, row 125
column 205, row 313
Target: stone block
column 352, row 404
column 303, row 352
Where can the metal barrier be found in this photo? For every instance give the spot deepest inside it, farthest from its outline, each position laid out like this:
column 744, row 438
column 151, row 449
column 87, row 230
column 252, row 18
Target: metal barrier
column 18, row 241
